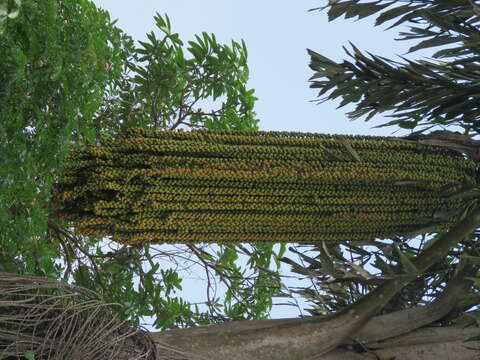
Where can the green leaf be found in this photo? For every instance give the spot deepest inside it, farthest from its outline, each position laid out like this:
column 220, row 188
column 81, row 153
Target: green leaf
column 3, row 9
column 393, row 13
column 407, row 265
column 29, row 355
column 196, row 50
column 163, row 24
column 465, row 194
column 338, row 9
column 436, row 41
column 367, row 9
column 405, row 124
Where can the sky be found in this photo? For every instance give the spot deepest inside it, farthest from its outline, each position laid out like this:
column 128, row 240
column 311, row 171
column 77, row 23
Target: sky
column 277, row 34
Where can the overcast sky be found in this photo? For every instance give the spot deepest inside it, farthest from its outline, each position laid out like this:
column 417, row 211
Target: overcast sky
column 277, row 34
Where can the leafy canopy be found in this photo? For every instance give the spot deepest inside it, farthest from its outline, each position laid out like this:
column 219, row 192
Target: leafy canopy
column 167, row 86
column 57, row 59
column 442, row 90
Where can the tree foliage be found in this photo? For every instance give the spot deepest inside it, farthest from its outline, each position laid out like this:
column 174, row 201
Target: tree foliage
column 57, row 59
column 442, row 90
column 166, row 85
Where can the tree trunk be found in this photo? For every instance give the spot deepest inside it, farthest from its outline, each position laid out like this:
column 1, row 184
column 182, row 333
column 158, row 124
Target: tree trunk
column 238, row 341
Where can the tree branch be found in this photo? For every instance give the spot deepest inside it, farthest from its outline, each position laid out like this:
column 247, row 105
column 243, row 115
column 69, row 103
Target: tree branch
column 379, row 297
column 401, row 322
column 431, row 343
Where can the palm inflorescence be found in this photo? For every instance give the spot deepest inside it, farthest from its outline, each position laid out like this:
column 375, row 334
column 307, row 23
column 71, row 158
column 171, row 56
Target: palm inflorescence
column 251, row 186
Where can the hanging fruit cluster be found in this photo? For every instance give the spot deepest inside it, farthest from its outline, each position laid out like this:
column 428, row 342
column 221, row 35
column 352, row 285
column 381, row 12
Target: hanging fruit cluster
column 252, row 186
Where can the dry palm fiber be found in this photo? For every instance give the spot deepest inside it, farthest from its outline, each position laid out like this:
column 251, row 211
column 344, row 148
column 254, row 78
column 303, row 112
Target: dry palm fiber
column 250, row 186
column 44, row 319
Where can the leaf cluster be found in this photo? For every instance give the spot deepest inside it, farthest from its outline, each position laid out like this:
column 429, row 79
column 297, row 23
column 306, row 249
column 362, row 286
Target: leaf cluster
column 167, row 85
column 440, row 91
column 52, row 77
column 340, row 275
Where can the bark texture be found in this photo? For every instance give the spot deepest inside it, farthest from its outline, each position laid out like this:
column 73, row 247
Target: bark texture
column 429, row 343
